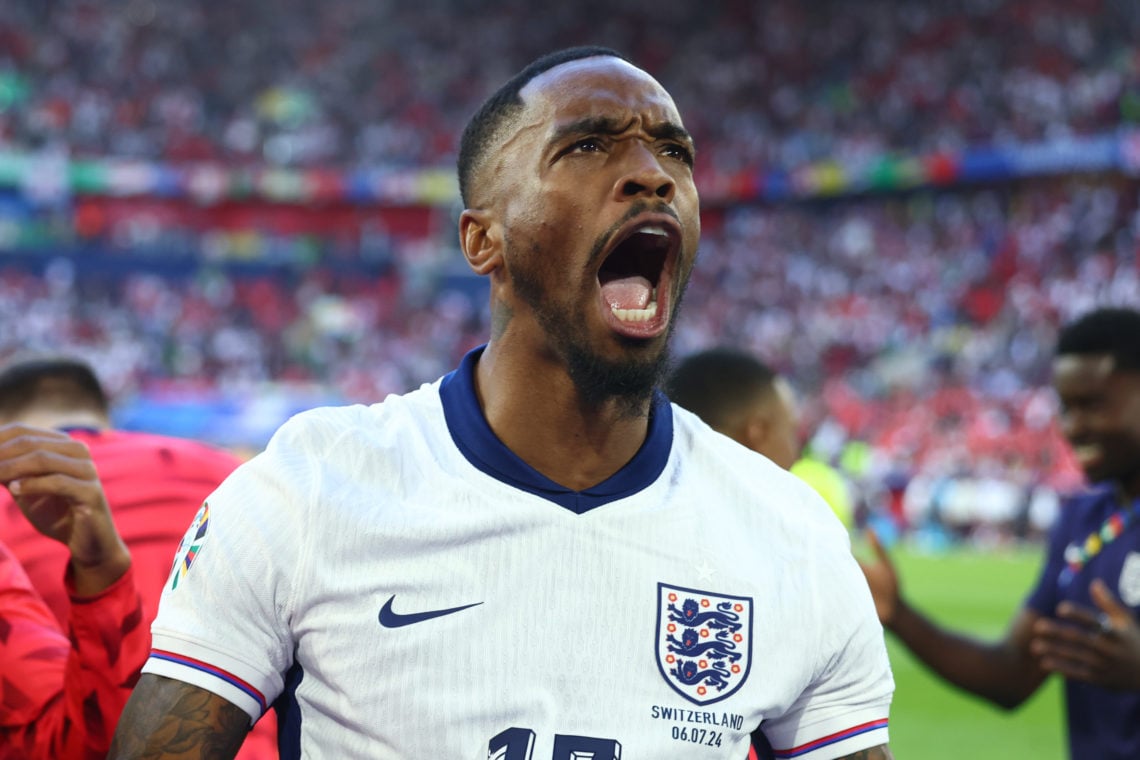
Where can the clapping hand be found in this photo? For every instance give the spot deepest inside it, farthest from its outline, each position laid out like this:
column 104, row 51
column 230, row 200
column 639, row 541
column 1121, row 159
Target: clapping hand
column 1099, row 646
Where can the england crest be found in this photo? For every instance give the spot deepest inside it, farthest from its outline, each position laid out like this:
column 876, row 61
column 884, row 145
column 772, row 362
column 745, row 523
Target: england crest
column 704, row 642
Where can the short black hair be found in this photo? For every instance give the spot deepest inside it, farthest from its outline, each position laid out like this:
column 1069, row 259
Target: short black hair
column 480, row 133
column 60, row 381
column 718, row 383
column 1111, row 331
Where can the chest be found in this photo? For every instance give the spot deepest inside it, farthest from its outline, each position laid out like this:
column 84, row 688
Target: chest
column 641, row 629
column 1095, row 551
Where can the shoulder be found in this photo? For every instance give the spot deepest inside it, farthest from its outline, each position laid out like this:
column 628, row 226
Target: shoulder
column 1089, row 505
column 120, row 453
column 1091, row 498
column 364, row 440
column 344, row 451
column 118, row 441
column 396, row 417
column 768, row 493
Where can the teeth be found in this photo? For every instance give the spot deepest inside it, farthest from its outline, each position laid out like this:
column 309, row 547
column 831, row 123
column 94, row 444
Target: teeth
column 637, row 315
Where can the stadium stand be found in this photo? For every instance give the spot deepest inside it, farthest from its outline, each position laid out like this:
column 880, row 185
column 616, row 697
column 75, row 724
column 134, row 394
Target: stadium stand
column 901, row 205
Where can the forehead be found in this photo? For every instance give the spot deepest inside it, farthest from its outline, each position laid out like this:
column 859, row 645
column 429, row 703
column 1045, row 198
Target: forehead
column 595, row 87
column 1079, row 374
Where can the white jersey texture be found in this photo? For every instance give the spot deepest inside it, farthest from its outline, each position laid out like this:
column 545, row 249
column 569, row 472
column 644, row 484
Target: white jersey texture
column 401, row 585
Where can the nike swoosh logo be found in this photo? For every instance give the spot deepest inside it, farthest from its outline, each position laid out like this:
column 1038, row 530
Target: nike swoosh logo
column 392, row 619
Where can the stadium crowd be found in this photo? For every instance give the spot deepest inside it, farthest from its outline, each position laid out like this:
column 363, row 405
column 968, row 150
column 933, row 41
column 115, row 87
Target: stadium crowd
column 348, row 84
column 918, row 325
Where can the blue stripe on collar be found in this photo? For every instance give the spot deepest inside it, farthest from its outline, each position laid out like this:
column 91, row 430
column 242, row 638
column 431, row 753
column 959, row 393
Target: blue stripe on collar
column 482, row 448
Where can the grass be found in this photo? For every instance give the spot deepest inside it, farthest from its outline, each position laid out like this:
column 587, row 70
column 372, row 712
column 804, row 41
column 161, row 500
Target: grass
column 975, row 592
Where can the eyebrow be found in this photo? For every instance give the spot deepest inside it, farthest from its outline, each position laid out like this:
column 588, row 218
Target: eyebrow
column 607, row 125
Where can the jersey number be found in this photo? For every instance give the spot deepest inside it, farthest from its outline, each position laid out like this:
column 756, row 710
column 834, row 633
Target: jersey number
column 518, row 744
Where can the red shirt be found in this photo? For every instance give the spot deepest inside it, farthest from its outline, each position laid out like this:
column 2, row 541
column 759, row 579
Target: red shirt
column 60, row 699
column 154, row 486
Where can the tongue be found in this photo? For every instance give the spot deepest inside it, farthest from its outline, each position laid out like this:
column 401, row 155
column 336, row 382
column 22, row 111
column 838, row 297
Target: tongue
column 631, row 292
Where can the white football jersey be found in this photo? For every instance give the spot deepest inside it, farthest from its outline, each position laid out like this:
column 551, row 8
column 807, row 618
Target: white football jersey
column 402, row 586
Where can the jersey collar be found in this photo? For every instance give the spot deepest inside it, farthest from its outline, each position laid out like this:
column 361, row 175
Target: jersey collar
column 483, row 449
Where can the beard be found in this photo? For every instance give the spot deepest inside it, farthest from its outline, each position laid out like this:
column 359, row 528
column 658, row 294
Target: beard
column 629, row 381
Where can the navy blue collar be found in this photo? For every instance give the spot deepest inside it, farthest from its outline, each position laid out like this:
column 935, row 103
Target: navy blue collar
column 482, row 448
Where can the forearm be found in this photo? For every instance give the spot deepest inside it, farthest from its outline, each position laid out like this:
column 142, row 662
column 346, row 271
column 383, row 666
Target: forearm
column 90, row 580
column 172, row 720
column 1002, row 672
column 882, row 752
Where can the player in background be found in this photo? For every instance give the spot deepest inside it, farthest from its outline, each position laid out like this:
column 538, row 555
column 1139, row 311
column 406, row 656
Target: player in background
column 536, row 556
column 742, row 397
column 61, row 691
column 154, row 485
column 1080, row 620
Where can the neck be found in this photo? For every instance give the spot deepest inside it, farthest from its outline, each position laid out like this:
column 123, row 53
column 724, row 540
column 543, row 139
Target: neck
column 537, row 412
column 1129, row 489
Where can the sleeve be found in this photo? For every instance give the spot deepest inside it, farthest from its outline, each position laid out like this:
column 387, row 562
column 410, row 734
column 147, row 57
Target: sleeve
column 62, row 699
column 222, row 622
column 845, row 704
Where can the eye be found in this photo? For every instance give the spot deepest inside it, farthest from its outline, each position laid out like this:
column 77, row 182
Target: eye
column 679, row 152
column 586, row 145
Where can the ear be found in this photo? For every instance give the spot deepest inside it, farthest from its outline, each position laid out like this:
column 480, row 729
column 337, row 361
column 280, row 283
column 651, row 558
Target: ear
column 480, row 241
column 756, row 429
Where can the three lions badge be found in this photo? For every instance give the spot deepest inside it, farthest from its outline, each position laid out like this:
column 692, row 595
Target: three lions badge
column 704, row 642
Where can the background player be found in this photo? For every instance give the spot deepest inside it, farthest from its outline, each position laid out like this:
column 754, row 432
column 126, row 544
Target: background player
column 1081, row 619
column 742, row 397
column 61, row 691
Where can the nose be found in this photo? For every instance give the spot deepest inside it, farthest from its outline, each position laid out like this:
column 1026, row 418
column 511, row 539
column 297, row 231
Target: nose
column 644, row 177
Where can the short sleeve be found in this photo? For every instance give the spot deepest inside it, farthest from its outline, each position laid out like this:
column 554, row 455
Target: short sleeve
column 845, row 706
column 222, row 621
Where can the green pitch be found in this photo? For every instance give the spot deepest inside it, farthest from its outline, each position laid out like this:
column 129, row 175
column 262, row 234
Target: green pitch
column 930, row 720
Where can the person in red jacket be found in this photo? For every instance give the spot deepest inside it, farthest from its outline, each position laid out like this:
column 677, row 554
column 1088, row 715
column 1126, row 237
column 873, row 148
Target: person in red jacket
column 154, row 485
column 62, row 691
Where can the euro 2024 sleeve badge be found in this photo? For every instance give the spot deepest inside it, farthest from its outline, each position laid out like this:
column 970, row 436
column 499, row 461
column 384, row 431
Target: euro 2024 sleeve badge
column 191, row 545
column 704, row 642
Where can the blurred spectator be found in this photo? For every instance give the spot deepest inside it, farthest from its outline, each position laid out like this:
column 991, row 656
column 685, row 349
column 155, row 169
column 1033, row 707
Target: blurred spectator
column 773, row 84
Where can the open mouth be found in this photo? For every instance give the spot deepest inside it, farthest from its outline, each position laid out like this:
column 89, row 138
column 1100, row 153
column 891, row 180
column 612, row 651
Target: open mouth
column 632, row 274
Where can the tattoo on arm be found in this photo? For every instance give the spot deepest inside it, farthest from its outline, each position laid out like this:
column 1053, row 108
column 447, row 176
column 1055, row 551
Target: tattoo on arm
column 170, row 720
column 882, row 752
